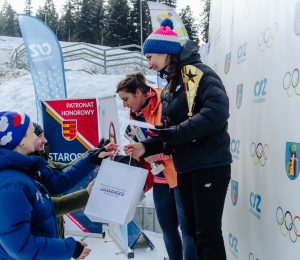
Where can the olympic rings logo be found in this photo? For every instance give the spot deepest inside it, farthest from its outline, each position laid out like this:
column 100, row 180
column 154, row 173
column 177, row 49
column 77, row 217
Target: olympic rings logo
column 292, row 80
column 264, row 38
column 252, row 258
column 260, row 152
column 287, row 226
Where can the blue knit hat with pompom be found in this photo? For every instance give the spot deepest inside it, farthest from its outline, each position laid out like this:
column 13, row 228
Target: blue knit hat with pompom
column 164, row 40
column 13, row 128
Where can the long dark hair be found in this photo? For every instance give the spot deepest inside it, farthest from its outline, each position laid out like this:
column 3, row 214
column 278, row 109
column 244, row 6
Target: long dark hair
column 132, row 82
column 172, row 71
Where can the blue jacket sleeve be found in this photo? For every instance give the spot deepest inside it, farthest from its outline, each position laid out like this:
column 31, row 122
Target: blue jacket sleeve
column 15, row 234
column 211, row 117
column 58, row 182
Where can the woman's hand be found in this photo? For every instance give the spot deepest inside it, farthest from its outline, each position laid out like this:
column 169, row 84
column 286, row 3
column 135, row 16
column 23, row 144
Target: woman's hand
column 151, row 159
column 111, row 149
column 85, row 252
column 134, row 150
column 90, row 187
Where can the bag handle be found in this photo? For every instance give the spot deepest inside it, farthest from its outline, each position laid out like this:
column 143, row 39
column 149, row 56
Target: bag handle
column 117, row 153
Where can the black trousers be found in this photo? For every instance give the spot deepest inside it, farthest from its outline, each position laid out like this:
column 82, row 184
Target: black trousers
column 203, row 193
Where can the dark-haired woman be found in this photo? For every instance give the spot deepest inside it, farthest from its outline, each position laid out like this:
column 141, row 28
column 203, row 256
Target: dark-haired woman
column 197, row 132
column 144, row 103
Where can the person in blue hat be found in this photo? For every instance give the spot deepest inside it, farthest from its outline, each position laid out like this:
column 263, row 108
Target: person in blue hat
column 28, row 227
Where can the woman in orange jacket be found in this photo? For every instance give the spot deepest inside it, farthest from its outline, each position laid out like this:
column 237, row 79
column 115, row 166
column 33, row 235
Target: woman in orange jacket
column 145, row 105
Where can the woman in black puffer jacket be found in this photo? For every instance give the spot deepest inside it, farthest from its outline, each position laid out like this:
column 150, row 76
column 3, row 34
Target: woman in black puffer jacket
column 195, row 134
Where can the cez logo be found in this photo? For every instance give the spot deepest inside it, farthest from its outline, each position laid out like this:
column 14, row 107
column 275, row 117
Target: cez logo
column 260, row 91
column 254, row 203
column 40, row 48
column 233, row 242
column 297, row 19
column 235, row 149
column 242, row 53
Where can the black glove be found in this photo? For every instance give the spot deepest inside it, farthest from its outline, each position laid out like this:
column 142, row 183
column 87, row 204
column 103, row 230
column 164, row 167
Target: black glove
column 78, row 250
column 103, row 142
column 169, row 148
column 163, row 135
column 94, row 159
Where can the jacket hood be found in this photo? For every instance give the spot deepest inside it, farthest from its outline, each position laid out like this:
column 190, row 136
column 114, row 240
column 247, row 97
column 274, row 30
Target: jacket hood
column 155, row 102
column 18, row 161
column 189, row 54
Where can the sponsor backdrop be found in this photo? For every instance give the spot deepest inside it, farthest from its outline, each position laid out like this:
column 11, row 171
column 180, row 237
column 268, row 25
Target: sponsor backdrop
column 71, row 128
column 254, row 48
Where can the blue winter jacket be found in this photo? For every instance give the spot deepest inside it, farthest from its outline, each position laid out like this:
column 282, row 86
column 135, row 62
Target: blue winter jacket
column 28, row 226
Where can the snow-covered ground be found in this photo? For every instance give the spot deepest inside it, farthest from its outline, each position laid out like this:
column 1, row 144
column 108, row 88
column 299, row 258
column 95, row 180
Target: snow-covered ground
column 17, row 94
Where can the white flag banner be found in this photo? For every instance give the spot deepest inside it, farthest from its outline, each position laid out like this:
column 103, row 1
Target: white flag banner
column 159, row 12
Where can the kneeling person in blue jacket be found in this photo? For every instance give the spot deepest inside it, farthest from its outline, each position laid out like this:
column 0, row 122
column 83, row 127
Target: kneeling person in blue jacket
column 28, row 227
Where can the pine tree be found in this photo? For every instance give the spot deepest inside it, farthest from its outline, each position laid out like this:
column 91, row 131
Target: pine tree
column 187, row 17
column 204, row 25
column 4, row 7
column 66, row 24
column 118, row 24
column 2, row 21
column 170, row 3
column 9, row 27
column 136, row 21
column 99, row 18
column 48, row 15
column 85, row 28
column 28, row 7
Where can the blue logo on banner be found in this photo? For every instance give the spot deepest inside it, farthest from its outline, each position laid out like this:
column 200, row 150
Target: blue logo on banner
column 242, row 53
column 234, row 192
column 45, row 60
column 227, row 62
column 254, row 203
column 291, row 160
column 239, row 96
column 235, row 149
column 260, row 91
column 297, row 19
column 233, row 242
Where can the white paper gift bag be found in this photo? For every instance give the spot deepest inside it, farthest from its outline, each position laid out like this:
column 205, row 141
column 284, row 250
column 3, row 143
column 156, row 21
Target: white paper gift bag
column 116, row 193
